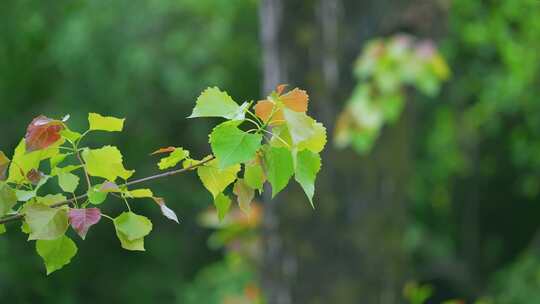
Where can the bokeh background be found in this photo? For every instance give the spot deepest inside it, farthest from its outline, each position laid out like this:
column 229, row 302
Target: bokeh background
column 444, row 205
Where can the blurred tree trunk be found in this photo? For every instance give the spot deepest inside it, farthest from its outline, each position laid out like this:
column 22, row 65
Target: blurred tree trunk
column 275, row 286
column 350, row 248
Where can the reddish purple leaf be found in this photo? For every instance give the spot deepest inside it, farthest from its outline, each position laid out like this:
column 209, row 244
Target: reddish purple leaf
column 34, row 176
column 82, row 219
column 42, row 133
column 109, row 187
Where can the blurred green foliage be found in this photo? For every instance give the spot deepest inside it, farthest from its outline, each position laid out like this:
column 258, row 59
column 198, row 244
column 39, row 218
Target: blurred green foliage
column 477, row 177
column 225, row 282
column 417, row 294
column 233, row 280
column 519, row 283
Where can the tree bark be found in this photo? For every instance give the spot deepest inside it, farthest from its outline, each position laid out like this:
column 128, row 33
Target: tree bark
column 273, row 266
column 349, row 250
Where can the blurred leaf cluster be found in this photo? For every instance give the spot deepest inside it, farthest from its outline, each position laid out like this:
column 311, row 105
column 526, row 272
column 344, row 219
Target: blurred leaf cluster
column 384, row 70
column 233, row 280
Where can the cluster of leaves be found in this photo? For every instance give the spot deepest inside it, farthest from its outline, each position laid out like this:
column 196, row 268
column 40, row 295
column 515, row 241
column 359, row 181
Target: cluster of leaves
column 292, row 141
column 383, row 70
column 281, row 141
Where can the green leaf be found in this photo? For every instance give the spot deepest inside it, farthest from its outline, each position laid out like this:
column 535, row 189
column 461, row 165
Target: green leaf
column 131, row 230
column 308, row 165
column 317, row 141
column 51, row 199
column 59, row 170
column 281, row 137
column 71, row 136
column 244, row 194
column 254, row 175
column 301, row 126
column 8, row 198
column 216, row 179
column 215, row 103
column 95, row 196
column 45, row 223
column 223, row 204
column 58, row 159
column 25, row 195
column 140, row 193
column 105, row 123
column 105, row 162
column 173, row 159
column 279, row 167
column 68, row 182
column 232, row 145
column 56, row 253
column 193, row 162
column 301, row 131
column 135, row 245
column 23, row 162
column 2, row 229
column 132, row 225
column 25, row 228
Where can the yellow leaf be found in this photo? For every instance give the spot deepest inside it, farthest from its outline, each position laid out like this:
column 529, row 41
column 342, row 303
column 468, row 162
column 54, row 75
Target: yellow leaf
column 105, row 162
column 216, row 180
column 244, row 194
column 105, row 123
column 141, row 193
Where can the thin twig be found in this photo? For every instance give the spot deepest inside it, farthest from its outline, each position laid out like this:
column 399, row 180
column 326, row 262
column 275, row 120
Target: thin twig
column 84, row 167
column 19, row 216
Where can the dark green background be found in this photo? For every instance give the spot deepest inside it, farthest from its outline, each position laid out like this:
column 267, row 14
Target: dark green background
column 464, row 214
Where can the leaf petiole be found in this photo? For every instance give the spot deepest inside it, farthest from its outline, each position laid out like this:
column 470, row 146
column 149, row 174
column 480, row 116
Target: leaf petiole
column 75, row 202
column 278, row 137
column 106, row 216
column 254, row 116
column 253, row 122
column 127, row 204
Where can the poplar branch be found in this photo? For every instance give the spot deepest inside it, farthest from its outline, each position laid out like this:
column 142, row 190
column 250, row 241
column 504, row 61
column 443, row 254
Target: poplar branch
column 18, row 216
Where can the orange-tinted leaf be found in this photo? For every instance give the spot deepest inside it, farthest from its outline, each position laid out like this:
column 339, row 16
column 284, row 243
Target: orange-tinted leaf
column 296, row 100
column 42, row 133
column 281, row 88
column 163, row 150
column 264, row 109
column 252, row 292
column 4, row 163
